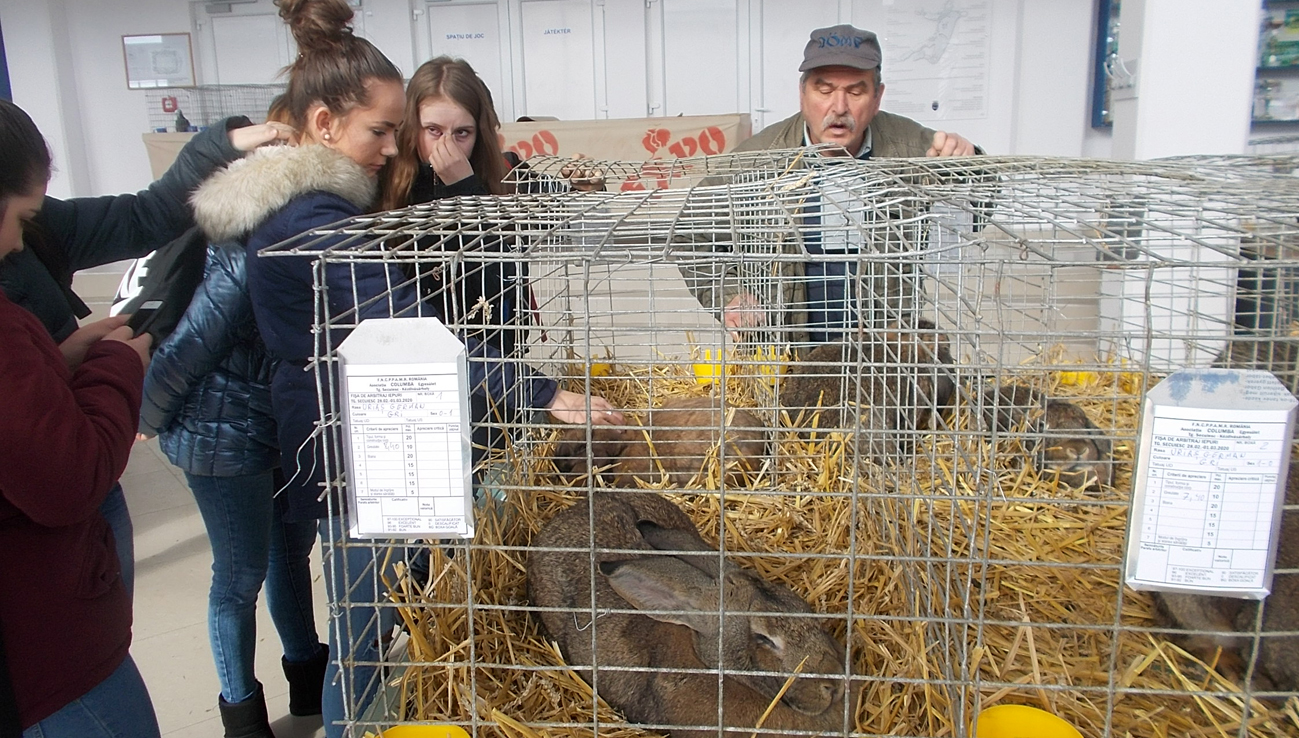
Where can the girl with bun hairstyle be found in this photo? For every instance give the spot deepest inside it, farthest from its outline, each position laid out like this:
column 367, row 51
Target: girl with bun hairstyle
column 346, row 99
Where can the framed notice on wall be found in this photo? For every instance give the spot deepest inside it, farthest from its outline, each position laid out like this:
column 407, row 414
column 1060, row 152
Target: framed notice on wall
column 158, row 60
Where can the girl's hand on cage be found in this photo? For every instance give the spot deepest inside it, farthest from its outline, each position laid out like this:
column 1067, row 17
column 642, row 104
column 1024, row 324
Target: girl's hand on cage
column 582, row 179
column 448, row 161
column 269, row 133
column 570, row 407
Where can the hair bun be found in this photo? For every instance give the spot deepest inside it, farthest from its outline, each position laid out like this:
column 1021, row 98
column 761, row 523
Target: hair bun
column 317, row 25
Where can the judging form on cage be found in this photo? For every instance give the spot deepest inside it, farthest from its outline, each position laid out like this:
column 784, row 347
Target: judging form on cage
column 1210, row 495
column 406, row 430
column 405, row 436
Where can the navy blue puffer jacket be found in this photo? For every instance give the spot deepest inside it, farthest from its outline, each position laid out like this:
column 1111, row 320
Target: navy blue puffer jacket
column 207, row 394
column 313, row 187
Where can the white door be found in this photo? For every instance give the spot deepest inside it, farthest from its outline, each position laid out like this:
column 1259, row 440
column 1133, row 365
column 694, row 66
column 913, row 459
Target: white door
column 472, row 31
column 558, row 59
column 700, row 57
column 250, row 49
column 786, row 27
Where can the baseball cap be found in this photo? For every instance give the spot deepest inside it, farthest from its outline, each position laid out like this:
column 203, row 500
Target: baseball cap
column 841, row 46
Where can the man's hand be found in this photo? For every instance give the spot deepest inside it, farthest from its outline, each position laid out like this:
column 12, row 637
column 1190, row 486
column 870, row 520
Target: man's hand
column 140, row 343
column 570, row 407
column 949, row 144
column 448, row 161
column 743, row 311
column 75, row 346
column 583, row 179
column 265, row 134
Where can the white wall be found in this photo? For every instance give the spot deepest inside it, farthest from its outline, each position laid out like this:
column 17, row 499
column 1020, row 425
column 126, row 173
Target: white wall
column 1037, row 98
column 1177, row 107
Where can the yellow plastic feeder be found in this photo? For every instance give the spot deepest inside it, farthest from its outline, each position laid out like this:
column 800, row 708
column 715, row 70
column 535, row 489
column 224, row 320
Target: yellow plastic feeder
column 1021, row 721
column 422, row 731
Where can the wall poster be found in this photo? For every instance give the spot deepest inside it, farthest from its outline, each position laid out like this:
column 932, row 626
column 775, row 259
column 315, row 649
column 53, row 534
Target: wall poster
column 936, row 58
column 158, row 60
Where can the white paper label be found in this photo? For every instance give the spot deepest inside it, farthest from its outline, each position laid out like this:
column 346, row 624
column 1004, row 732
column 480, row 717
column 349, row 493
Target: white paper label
column 408, row 473
column 1210, row 493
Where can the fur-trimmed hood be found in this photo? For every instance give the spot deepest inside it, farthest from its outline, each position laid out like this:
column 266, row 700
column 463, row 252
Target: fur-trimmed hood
column 237, row 199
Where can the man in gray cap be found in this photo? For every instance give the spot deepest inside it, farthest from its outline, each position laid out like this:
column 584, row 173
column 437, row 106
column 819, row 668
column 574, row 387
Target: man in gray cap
column 839, row 96
column 839, row 100
column 839, row 103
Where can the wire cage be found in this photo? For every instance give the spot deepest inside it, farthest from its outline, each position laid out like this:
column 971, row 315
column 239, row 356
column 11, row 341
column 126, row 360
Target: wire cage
column 206, row 104
column 877, row 457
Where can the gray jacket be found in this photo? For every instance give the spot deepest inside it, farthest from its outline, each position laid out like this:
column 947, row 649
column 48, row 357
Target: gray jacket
column 892, row 136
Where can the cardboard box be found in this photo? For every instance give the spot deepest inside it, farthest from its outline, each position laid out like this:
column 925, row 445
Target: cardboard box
column 624, row 139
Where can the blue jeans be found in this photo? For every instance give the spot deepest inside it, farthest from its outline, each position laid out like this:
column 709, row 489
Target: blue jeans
column 252, row 543
column 352, row 572
column 113, row 508
column 118, row 707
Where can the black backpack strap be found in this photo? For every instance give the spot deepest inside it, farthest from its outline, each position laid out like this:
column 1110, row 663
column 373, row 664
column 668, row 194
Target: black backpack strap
column 57, row 264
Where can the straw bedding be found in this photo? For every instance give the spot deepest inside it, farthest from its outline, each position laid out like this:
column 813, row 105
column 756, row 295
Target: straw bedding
column 963, row 597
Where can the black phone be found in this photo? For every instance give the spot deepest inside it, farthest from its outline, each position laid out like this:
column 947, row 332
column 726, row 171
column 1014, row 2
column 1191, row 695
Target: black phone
column 140, row 318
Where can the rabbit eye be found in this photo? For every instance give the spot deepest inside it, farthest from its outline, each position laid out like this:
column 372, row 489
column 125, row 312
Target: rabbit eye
column 764, row 641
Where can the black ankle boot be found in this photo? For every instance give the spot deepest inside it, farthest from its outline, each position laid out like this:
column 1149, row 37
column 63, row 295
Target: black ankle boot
column 306, row 681
column 246, row 719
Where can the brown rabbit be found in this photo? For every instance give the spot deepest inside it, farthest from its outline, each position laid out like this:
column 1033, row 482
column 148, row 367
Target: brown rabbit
column 1279, row 355
column 698, row 584
column 1278, row 658
column 901, row 383
column 1065, row 441
column 677, row 440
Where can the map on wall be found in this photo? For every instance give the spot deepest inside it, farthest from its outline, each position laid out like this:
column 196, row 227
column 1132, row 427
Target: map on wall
column 936, row 58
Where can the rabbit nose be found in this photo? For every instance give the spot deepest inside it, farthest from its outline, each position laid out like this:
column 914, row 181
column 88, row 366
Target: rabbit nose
column 830, row 690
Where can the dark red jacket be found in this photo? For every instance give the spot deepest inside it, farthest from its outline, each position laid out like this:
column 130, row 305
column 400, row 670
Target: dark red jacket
column 64, row 440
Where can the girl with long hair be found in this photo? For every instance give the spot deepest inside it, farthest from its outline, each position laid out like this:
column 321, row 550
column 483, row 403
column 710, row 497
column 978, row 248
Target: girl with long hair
column 346, row 101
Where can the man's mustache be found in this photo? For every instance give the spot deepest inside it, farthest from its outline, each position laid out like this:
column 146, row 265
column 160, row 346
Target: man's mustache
column 847, row 121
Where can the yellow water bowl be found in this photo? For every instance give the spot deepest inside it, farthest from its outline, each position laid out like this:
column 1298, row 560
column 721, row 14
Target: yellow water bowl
column 422, row 731
column 1021, row 721
column 601, row 369
column 765, row 362
column 1077, row 378
column 709, row 369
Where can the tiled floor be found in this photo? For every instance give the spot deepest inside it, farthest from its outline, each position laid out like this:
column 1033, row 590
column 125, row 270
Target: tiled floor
column 173, row 570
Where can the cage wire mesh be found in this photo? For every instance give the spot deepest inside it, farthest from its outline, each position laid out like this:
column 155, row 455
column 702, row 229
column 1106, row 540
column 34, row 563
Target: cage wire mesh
column 908, row 459
column 204, row 105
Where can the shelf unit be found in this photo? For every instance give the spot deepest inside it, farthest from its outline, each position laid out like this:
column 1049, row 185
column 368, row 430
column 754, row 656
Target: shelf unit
column 1279, row 37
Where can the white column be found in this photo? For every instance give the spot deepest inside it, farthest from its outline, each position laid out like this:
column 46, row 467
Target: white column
column 1192, row 65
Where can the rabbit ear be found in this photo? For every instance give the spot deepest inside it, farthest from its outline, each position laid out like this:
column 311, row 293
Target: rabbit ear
column 666, row 583
column 676, row 539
